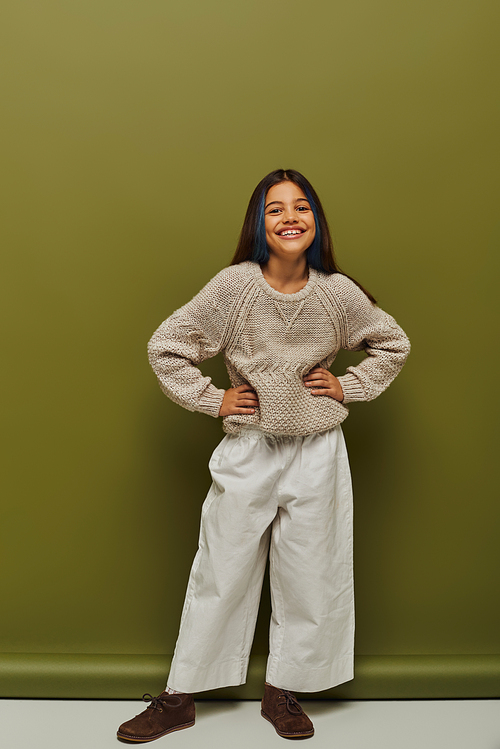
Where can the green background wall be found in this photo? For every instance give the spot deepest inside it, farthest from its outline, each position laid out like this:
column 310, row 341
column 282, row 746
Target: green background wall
column 135, row 131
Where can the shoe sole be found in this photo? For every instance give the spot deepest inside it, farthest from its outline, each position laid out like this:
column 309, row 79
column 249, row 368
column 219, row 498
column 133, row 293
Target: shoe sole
column 288, row 735
column 138, row 739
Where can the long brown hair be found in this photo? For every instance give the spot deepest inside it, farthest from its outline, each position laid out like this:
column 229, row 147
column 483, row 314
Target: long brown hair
column 252, row 244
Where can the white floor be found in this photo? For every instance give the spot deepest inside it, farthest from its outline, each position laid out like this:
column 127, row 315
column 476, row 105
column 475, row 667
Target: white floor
column 419, row 724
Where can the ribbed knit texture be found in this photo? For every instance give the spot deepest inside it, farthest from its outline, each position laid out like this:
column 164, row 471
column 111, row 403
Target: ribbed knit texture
column 271, row 340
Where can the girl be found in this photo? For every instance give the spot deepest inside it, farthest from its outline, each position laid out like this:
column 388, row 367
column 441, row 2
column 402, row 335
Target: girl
column 281, row 481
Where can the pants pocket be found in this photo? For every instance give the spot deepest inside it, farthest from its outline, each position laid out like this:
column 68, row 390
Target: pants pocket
column 217, row 455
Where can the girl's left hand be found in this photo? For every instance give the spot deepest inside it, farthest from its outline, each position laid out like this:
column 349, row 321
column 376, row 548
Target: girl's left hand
column 324, row 382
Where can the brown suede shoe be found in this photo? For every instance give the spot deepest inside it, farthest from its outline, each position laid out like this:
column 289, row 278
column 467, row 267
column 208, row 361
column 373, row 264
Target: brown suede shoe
column 166, row 713
column 280, row 707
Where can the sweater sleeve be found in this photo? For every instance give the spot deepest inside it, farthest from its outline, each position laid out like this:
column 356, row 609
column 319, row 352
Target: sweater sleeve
column 385, row 343
column 193, row 333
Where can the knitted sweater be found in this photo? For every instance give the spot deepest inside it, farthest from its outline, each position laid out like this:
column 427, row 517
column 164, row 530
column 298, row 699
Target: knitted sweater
column 271, row 340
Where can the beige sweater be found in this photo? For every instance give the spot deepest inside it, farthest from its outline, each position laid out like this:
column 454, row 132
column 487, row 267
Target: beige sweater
column 271, row 340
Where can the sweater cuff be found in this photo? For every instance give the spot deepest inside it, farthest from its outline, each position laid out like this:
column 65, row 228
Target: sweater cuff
column 351, row 388
column 211, row 401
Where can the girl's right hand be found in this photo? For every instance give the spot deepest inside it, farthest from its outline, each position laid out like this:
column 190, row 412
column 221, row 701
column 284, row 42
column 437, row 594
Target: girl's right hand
column 240, row 400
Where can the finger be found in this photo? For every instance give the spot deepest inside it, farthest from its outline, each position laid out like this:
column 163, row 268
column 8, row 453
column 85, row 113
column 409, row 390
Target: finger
column 240, row 410
column 318, row 383
column 244, row 389
column 248, row 402
column 316, row 373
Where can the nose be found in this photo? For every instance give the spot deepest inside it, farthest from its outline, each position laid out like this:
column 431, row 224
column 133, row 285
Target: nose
column 289, row 215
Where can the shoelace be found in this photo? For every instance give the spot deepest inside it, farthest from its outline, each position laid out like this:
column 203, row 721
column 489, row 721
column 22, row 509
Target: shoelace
column 156, row 703
column 291, row 703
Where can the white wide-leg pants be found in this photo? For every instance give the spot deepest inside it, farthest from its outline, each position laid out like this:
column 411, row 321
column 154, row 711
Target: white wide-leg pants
column 291, row 498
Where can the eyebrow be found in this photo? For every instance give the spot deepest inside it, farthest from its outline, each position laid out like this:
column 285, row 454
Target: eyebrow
column 280, row 202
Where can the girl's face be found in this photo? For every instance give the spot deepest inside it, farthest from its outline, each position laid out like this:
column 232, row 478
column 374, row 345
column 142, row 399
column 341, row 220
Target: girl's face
column 289, row 221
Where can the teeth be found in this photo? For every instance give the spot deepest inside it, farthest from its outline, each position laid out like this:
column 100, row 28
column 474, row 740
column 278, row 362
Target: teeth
column 289, row 233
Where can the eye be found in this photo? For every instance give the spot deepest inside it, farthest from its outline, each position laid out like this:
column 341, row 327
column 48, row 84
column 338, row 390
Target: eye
column 274, row 210
column 303, row 208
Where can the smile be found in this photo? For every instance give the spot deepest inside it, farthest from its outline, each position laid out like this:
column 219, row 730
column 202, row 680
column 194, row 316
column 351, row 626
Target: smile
column 291, row 233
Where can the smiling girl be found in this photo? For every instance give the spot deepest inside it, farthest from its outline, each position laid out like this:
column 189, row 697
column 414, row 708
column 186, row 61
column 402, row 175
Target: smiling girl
column 281, row 481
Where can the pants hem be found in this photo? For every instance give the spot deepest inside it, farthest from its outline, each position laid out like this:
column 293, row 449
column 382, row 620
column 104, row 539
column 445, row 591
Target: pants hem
column 215, row 676
column 302, row 679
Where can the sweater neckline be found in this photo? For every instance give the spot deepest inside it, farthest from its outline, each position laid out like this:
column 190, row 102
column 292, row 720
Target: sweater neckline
column 278, row 295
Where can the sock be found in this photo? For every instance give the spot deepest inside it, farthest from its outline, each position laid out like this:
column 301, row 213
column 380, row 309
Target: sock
column 168, row 690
